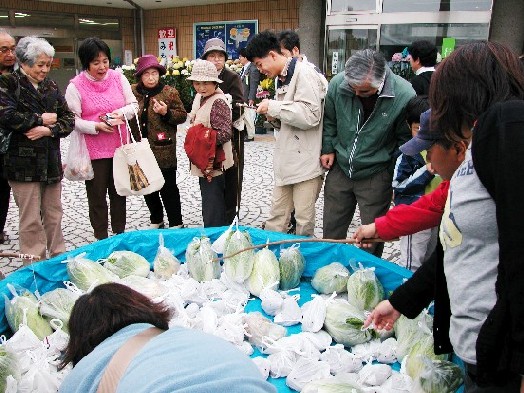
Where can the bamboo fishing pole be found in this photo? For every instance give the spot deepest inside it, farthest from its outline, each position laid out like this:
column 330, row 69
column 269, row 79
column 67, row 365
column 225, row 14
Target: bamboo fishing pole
column 308, row 240
column 29, row 257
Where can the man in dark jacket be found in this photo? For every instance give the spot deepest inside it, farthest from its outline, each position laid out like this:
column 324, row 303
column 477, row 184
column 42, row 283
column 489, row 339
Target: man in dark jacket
column 423, row 60
column 7, row 63
column 215, row 52
column 364, row 123
column 250, row 79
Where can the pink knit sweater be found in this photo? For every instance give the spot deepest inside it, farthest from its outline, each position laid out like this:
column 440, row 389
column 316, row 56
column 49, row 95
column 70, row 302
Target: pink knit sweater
column 101, row 97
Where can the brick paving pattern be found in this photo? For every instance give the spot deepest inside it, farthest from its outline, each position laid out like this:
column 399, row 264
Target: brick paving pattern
column 256, row 199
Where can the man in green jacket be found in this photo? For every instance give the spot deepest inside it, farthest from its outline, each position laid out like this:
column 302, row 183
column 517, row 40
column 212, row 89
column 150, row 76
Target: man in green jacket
column 364, row 124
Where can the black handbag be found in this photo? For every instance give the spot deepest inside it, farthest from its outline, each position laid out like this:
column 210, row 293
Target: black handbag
column 5, row 135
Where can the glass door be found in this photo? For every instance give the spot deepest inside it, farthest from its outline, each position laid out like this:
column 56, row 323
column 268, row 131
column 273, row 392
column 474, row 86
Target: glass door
column 343, row 41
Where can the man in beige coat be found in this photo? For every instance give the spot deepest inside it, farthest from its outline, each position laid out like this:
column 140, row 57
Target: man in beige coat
column 298, row 107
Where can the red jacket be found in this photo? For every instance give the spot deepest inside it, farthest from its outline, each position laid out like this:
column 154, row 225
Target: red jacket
column 422, row 214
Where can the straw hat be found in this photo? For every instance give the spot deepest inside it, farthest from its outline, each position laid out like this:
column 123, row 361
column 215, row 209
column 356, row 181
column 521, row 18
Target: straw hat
column 204, row 71
column 148, row 61
column 214, row 44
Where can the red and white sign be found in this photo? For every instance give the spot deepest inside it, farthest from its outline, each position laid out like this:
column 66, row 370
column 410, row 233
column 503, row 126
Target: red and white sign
column 167, row 42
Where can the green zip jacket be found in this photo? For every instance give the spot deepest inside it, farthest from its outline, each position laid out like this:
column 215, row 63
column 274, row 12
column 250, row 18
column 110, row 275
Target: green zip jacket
column 363, row 149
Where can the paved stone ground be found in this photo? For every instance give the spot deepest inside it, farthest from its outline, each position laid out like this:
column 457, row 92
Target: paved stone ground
column 256, row 199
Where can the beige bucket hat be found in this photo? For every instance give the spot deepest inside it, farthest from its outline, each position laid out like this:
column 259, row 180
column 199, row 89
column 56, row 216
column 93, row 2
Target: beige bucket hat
column 214, row 44
column 204, row 71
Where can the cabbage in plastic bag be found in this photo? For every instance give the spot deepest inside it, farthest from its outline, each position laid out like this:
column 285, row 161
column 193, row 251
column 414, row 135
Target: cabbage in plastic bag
column 364, row 289
column 331, row 278
column 150, row 288
column 127, row 263
column 86, row 274
column 423, row 346
column 344, row 383
column 292, row 264
column 344, row 323
column 23, row 310
column 438, row 376
column 165, row 263
column 409, row 331
column 266, row 272
column 261, row 331
column 201, row 260
column 8, row 366
column 58, row 304
column 238, row 267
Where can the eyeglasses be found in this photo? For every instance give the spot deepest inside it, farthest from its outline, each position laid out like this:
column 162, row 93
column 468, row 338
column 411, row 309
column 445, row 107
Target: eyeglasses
column 4, row 50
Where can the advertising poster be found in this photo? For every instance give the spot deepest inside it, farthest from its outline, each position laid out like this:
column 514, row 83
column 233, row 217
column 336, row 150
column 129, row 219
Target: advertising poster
column 235, row 34
column 167, row 42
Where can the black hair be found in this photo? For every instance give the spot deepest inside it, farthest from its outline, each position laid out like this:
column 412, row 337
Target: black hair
column 416, row 106
column 261, row 44
column 289, row 39
column 105, row 310
column 242, row 52
column 89, row 50
column 469, row 81
column 424, row 51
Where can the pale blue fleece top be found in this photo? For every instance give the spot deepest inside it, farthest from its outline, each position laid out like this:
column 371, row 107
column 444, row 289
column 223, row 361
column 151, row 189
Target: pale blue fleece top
column 179, row 360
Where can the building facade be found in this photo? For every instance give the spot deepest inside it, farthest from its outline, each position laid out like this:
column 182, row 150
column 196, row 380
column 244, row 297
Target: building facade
column 330, row 30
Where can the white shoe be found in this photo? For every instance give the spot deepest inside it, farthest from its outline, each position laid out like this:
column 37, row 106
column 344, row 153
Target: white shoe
column 178, row 226
column 156, row 226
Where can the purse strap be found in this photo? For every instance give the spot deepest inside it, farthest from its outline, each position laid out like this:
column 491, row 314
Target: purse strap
column 128, row 128
column 120, row 361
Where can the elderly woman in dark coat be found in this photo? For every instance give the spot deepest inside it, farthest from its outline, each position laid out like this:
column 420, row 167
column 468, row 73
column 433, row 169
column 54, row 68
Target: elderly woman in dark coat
column 160, row 111
column 33, row 108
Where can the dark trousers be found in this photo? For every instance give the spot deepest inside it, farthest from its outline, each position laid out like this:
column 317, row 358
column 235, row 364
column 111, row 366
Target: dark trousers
column 234, row 177
column 171, row 198
column 341, row 196
column 5, row 193
column 512, row 385
column 213, row 201
column 97, row 188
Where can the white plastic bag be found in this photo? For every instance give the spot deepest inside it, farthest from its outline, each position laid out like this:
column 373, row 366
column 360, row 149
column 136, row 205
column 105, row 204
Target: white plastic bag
column 165, row 263
column 77, row 163
column 313, row 314
column 305, row 371
column 271, row 301
column 374, row 374
column 263, row 365
column 290, row 314
column 340, row 360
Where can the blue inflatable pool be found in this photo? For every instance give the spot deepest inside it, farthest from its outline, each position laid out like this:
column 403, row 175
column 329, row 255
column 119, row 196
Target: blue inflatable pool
column 50, row 274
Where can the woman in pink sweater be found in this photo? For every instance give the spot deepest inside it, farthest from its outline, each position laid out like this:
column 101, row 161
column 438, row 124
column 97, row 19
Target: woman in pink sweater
column 96, row 91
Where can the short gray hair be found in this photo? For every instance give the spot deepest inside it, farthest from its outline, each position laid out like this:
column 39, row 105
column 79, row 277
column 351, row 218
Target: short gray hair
column 29, row 48
column 366, row 65
column 5, row 32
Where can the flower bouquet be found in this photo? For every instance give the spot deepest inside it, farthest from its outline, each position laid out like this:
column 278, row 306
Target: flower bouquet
column 400, row 65
column 266, row 89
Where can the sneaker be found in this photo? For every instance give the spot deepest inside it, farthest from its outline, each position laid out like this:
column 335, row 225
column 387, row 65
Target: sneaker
column 181, row 226
column 157, row 226
column 249, row 139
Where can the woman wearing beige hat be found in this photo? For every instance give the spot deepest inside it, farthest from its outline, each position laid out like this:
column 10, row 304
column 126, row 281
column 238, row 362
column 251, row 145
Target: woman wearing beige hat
column 160, row 111
column 211, row 115
column 215, row 52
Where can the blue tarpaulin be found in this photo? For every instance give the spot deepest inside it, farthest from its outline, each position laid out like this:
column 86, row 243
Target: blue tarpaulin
column 50, row 274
